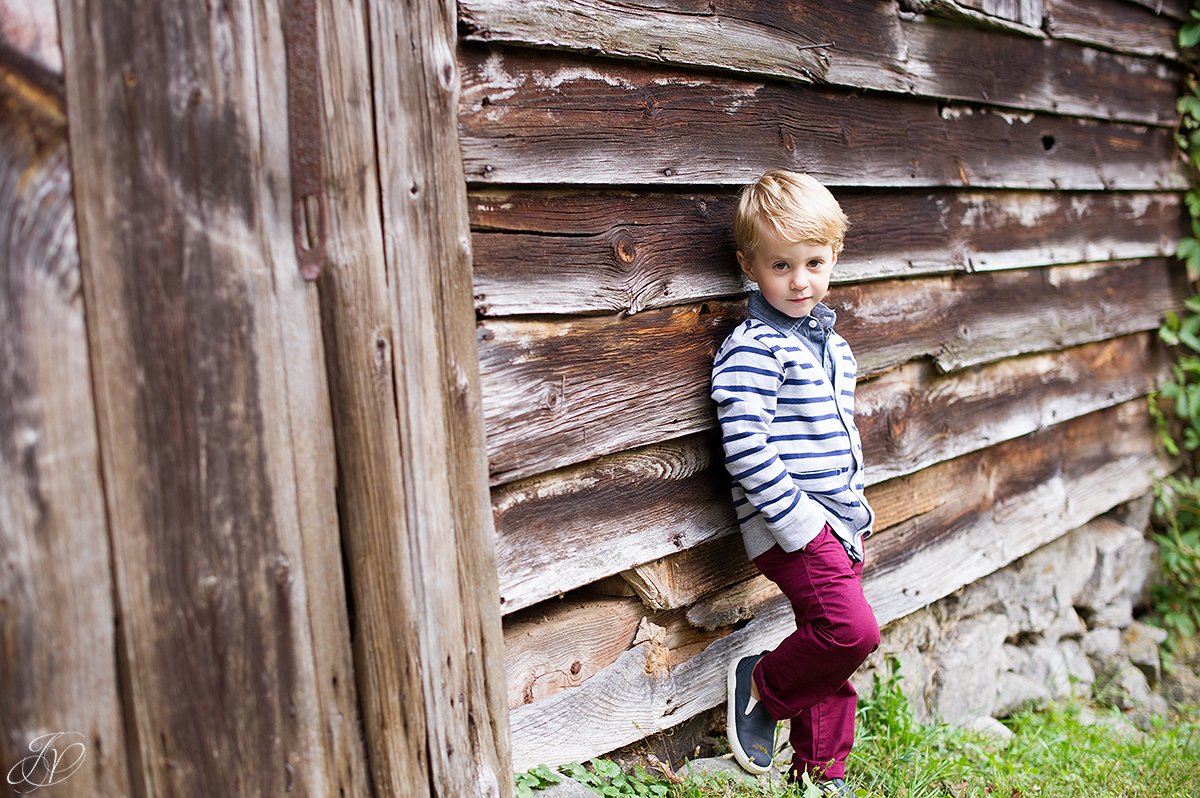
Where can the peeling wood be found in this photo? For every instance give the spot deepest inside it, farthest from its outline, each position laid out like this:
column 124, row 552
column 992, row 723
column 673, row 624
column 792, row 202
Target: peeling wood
column 557, row 646
column 530, row 118
column 612, row 514
column 59, row 639
column 873, row 47
column 211, row 403
column 626, row 511
column 29, row 42
column 574, row 251
column 1023, row 17
column 1118, row 25
column 557, row 393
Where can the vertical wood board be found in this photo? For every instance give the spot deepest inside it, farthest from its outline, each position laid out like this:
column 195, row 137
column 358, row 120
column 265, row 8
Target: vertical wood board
column 449, row 532
column 214, row 427
column 58, row 639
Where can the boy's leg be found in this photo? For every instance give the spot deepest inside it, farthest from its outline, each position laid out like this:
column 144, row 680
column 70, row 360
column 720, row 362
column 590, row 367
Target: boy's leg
column 823, row 735
column 805, row 677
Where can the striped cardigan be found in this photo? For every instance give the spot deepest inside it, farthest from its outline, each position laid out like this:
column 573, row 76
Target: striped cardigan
column 788, row 434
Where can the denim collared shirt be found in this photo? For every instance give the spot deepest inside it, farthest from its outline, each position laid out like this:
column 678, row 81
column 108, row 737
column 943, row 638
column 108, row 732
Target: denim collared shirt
column 812, row 329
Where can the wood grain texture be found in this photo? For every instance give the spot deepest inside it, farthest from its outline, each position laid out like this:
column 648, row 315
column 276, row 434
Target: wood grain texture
column 357, row 324
column 215, row 439
column 561, row 392
column 538, row 118
column 858, row 44
column 1118, row 25
column 604, row 251
column 611, row 514
column 559, row 645
column 58, row 639
column 447, row 518
column 29, row 48
column 1025, row 12
column 628, row 510
column 1032, row 493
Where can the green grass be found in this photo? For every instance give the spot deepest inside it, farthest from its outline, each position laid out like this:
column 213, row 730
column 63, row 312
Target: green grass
column 1055, row 752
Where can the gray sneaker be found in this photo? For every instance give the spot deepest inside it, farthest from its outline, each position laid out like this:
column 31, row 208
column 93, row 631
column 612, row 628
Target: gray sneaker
column 836, row 788
column 751, row 730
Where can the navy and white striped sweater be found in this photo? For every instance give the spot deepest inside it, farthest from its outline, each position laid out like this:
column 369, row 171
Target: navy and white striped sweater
column 788, row 432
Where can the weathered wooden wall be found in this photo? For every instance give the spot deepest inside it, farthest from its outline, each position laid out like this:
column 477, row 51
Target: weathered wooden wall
column 1009, row 171
column 246, row 545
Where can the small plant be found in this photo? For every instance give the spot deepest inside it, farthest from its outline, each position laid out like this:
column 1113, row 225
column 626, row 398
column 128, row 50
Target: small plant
column 1175, row 596
column 538, row 778
column 886, row 714
column 1175, row 407
column 608, row 779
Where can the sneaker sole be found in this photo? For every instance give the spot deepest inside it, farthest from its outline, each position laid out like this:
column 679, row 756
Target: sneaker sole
column 730, row 723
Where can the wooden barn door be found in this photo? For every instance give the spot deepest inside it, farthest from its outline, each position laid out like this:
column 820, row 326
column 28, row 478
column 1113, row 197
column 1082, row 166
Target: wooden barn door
column 248, row 484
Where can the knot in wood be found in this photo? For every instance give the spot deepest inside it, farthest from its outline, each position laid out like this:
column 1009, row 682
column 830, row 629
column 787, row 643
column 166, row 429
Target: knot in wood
column 554, row 396
column 624, row 246
column 788, row 140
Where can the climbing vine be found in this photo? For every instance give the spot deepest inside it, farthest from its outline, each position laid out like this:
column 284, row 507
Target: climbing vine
column 1175, row 407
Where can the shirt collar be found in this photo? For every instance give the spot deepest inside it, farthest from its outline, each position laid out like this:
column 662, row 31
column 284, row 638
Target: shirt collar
column 763, row 311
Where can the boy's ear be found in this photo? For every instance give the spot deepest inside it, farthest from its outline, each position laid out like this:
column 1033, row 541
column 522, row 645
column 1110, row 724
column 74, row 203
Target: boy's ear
column 745, row 264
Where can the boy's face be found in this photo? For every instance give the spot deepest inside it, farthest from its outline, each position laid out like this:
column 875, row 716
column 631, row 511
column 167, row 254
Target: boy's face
column 792, row 275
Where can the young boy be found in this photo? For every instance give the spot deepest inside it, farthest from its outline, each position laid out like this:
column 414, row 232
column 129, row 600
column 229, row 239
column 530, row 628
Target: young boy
column 784, row 382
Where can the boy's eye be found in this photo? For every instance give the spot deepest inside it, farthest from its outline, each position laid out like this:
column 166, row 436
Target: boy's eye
column 780, row 266
column 816, row 264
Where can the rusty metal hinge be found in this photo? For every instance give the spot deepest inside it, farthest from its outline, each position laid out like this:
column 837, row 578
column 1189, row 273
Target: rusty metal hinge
column 310, row 207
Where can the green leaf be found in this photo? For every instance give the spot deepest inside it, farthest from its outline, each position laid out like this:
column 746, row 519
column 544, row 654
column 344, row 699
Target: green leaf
column 1189, row 35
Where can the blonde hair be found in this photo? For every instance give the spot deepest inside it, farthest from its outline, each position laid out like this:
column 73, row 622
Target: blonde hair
column 796, row 206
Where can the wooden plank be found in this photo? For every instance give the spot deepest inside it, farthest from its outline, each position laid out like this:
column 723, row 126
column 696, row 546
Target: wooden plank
column 677, row 580
column 1024, row 12
column 357, row 314
column 1176, row 9
column 561, row 392
column 543, row 252
column 592, row 511
column 215, row 443
column 556, row 646
column 534, row 118
column 447, row 522
column 58, row 639
column 29, row 43
column 1036, row 489
column 1115, row 25
column 910, row 420
column 858, row 44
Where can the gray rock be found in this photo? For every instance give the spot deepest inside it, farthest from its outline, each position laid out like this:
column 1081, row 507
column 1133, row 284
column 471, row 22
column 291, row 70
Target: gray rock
column 968, row 661
column 991, row 729
column 1122, row 568
column 1181, row 685
column 1118, row 614
column 908, row 640
column 1135, row 513
column 1015, row 690
column 1120, row 727
column 711, row 766
column 1130, row 690
column 1140, row 642
column 1102, row 646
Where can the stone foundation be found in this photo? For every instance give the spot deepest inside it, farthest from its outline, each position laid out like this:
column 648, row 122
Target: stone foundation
column 1056, row 622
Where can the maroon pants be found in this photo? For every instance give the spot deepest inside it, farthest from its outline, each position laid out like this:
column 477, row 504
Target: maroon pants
column 806, row 677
